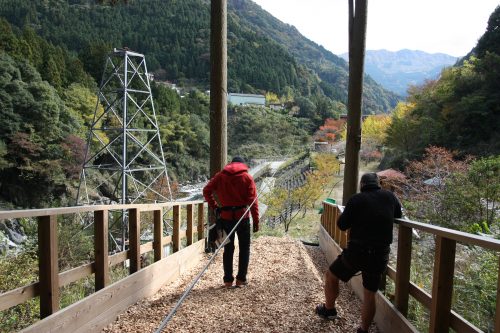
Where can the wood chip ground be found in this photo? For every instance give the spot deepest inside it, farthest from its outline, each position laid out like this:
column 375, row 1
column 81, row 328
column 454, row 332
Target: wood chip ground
column 285, row 282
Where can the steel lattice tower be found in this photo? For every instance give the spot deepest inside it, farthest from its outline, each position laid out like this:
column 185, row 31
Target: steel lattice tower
column 124, row 161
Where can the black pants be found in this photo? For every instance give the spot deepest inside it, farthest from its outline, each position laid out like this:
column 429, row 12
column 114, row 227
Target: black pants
column 243, row 232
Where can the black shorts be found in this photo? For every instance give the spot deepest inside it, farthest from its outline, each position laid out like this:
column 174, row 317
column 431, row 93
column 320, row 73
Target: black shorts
column 371, row 262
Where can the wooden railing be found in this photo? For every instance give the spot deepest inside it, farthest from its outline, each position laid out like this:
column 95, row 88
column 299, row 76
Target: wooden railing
column 442, row 317
column 51, row 280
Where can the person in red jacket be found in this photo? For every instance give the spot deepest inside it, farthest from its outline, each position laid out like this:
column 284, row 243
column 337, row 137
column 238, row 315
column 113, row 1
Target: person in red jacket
column 230, row 192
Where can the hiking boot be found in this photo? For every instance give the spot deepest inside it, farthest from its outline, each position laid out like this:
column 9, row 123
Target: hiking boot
column 323, row 312
column 360, row 330
column 228, row 284
column 240, row 283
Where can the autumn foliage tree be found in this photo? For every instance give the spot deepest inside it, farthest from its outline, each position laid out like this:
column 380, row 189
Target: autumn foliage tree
column 427, row 179
column 324, row 166
column 330, row 131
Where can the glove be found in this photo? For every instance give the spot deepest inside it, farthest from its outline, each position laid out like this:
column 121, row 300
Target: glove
column 255, row 227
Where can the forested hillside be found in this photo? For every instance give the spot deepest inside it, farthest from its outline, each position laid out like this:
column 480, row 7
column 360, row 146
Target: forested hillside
column 264, row 54
column 459, row 111
column 48, row 100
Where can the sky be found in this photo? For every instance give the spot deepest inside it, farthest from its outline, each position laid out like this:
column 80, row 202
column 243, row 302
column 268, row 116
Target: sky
column 452, row 27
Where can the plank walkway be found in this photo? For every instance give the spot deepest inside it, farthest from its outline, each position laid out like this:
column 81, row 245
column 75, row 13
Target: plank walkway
column 285, row 283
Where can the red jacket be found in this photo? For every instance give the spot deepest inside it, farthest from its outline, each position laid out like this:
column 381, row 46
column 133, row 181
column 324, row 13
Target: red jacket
column 233, row 186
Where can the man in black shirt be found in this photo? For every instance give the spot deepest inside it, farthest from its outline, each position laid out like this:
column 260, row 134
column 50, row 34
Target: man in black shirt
column 370, row 215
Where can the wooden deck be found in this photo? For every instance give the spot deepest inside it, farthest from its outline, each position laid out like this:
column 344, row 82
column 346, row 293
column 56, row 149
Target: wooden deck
column 285, row 283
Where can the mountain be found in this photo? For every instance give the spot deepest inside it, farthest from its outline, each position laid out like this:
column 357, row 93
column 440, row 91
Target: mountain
column 264, row 54
column 332, row 70
column 397, row 70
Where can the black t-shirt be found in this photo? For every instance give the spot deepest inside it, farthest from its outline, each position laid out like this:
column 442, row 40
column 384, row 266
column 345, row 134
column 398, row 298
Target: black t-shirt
column 370, row 215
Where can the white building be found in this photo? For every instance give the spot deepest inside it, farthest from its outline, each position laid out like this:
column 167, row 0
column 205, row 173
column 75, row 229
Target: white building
column 246, row 99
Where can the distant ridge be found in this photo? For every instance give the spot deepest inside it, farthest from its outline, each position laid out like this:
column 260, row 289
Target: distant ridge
column 397, row 70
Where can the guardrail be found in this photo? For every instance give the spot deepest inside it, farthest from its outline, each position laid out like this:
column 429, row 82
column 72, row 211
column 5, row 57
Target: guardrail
column 51, row 280
column 442, row 317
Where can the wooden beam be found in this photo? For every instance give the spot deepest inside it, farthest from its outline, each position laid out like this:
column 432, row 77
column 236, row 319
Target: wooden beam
column 75, row 274
column 166, row 240
column 158, row 234
column 175, row 233
column 48, row 265
column 19, row 295
column 403, row 269
column 459, row 236
column 189, row 227
column 101, row 249
column 118, row 258
column 201, row 221
column 357, row 41
column 134, row 240
column 14, row 214
column 218, row 85
column 442, row 285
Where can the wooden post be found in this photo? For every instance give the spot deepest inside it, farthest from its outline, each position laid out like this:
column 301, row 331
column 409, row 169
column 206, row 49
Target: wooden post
column 403, row 269
column 134, row 240
column 497, row 317
column 331, row 224
column 325, row 218
column 158, row 234
column 48, row 265
column 176, row 240
column 357, row 41
column 218, row 85
column 322, row 217
column 189, row 227
column 344, row 238
column 201, row 221
column 337, row 229
column 442, row 285
column 101, row 249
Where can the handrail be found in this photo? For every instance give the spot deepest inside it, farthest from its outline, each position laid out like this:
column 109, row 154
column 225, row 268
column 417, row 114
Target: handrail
column 459, row 236
column 442, row 317
column 14, row 214
column 51, row 280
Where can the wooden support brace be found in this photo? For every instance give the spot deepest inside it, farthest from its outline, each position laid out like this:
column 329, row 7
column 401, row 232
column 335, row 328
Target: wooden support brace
column 329, row 221
column 48, row 265
column 323, row 217
column 101, row 249
column 158, row 234
column 134, row 240
column 176, row 240
column 442, row 285
column 189, row 227
column 403, row 269
column 201, row 221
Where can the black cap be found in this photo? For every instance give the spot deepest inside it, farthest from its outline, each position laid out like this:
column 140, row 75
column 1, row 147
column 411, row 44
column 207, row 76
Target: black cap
column 370, row 179
column 238, row 159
